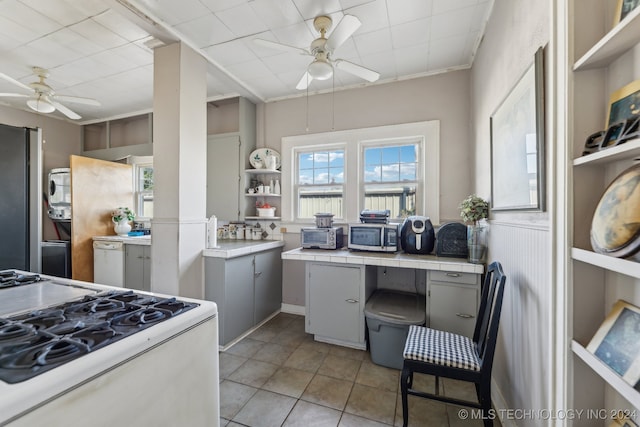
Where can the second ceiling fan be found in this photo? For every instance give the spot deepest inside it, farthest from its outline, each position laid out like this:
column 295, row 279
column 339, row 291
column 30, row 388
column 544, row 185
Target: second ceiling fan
column 322, row 48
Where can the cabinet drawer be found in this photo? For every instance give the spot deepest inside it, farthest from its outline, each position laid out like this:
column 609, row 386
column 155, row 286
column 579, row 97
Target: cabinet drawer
column 453, row 308
column 453, row 277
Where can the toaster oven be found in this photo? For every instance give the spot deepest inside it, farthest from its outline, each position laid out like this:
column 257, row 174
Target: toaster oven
column 321, row 238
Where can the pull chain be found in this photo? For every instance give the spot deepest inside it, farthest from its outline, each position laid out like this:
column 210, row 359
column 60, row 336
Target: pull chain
column 307, row 75
column 333, row 101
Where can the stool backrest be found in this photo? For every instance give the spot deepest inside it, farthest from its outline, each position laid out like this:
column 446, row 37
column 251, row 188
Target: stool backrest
column 486, row 330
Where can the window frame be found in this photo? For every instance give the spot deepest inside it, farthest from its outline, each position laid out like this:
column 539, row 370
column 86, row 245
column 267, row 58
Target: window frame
column 427, row 132
column 139, row 163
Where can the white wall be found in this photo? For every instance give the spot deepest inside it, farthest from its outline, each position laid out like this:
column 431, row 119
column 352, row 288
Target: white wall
column 443, row 97
column 61, row 140
column 523, row 366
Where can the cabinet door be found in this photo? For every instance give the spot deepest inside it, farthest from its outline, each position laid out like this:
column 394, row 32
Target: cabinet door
column 453, row 308
column 239, row 299
column 223, row 177
column 268, row 284
column 134, row 267
column 334, row 309
column 146, row 268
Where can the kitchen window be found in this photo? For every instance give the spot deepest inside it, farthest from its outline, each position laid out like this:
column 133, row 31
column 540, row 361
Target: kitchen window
column 392, row 167
column 144, row 190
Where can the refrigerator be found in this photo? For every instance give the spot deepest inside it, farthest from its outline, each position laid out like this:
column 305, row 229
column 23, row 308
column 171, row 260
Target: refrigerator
column 20, row 198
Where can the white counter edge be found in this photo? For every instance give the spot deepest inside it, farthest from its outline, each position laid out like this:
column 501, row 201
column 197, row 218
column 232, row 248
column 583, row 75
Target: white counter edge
column 399, row 259
column 231, row 249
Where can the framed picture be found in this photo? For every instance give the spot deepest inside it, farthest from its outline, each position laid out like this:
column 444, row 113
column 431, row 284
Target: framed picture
column 623, row 9
column 624, row 103
column 517, row 144
column 617, row 341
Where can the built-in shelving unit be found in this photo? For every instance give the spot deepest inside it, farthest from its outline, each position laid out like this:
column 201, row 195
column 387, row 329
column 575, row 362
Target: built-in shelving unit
column 596, row 280
column 265, row 176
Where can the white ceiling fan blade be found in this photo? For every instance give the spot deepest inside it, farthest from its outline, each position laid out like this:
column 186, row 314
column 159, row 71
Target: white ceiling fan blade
column 14, row 95
column 64, row 110
column 357, row 70
column 15, row 82
column 279, row 46
column 346, row 27
column 304, row 81
column 77, row 100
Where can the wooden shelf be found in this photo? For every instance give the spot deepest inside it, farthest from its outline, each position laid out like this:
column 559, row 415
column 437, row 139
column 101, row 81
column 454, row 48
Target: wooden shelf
column 628, row 151
column 607, row 374
column 262, row 171
column 616, row 42
column 617, row 265
column 263, row 218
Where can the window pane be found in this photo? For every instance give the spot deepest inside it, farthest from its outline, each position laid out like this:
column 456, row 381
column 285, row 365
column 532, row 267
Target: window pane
column 305, row 177
column 305, row 160
column 336, row 158
column 372, row 174
column 321, row 176
column 336, row 175
column 408, row 172
column 312, row 200
column 321, row 160
column 399, row 200
column 391, row 173
column 390, row 155
column 408, row 153
column 372, row 156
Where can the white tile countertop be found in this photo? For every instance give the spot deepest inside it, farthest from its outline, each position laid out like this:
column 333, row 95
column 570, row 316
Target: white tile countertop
column 129, row 240
column 398, row 259
column 236, row 248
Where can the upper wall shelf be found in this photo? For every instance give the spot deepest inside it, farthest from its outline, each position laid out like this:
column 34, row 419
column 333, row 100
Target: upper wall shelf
column 627, row 151
column 618, row 265
column 620, row 39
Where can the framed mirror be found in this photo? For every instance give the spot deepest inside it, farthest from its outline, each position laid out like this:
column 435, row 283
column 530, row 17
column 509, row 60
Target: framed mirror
column 517, row 144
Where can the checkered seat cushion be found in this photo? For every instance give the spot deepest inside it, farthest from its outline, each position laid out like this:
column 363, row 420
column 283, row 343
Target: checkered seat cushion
column 441, row 348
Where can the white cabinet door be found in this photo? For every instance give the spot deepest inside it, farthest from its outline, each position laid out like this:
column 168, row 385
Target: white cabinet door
column 453, row 308
column 335, row 302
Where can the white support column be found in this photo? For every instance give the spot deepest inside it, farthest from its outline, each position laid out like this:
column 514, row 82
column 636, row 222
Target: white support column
column 180, row 171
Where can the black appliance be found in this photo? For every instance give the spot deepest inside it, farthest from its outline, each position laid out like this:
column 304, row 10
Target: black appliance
column 20, row 204
column 451, row 240
column 417, row 235
column 369, row 216
column 56, row 258
column 37, row 341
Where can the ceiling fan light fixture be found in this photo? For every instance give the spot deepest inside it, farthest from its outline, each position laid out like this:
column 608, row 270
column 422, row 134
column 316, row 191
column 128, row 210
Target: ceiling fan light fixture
column 320, row 69
column 41, row 104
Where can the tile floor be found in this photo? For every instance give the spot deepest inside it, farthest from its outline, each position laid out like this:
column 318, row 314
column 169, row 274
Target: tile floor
column 280, row 376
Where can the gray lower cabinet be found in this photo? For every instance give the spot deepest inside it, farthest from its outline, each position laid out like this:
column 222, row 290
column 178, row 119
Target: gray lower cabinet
column 137, row 267
column 453, row 301
column 247, row 290
column 335, row 299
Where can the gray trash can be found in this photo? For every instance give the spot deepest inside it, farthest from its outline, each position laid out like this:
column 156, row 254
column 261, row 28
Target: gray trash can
column 389, row 315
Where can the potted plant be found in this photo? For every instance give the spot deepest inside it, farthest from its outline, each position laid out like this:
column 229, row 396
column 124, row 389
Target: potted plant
column 121, row 217
column 473, row 210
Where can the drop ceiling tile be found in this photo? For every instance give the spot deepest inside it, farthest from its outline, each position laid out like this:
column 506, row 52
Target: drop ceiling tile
column 25, row 16
column 449, row 24
column 443, row 6
column 347, row 4
column 277, row 14
column 297, row 35
column 411, row 60
column 254, row 69
column 312, row 8
column 218, row 5
column 381, row 62
column 483, row 11
column 135, row 55
column 12, row 29
column 100, row 35
column 74, row 41
column 88, row 7
column 411, row 33
column 373, row 16
column 287, row 61
column 174, row 12
column 347, row 51
column 229, row 53
column 375, row 41
column 50, row 47
column 470, row 47
column 205, row 31
column 446, row 53
column 59, row 10
column 401, row 11
column 242, row 20
column 121, row 26
column 34, row 56
column 7, row 43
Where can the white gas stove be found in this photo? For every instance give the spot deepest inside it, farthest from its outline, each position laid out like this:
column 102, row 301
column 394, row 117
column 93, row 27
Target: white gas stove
column 76, row 353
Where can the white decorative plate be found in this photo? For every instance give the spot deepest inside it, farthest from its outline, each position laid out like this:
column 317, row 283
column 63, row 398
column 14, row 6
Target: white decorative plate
column 257, row 157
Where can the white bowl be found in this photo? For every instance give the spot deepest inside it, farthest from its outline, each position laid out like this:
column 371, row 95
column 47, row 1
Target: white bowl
column 266, row 211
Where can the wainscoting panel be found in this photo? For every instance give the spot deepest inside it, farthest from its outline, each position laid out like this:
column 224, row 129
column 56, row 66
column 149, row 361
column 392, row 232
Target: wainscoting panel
column 523, row 363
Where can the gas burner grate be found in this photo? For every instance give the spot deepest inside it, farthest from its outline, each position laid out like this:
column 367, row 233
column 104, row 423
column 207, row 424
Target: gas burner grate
column 10, row 278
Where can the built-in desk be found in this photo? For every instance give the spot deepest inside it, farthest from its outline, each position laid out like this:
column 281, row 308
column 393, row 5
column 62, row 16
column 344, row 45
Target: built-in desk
column 338, row 284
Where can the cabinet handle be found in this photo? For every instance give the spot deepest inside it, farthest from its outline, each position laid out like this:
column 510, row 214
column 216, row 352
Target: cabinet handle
column 351, row 300
column 465, row 316
column 257, row 274
column 453, row 274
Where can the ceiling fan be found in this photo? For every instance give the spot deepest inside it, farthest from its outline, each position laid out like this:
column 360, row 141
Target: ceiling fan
column 43, row 98
column 322, row 48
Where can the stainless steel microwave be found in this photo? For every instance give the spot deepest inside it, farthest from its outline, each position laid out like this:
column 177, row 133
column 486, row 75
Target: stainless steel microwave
column 321, row 238
column 373, row 237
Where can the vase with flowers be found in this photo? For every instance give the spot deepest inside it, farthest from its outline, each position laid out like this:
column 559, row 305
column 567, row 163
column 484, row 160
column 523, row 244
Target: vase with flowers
column 474, row 210
column 121, row 217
